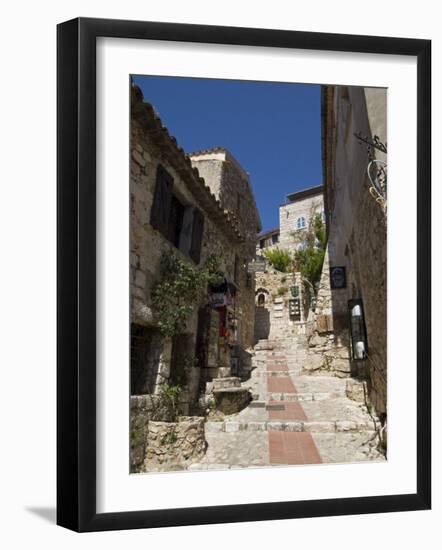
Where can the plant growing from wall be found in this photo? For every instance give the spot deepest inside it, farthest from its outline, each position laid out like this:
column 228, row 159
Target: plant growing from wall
column 280, row 259
column 174, row 295
column 167, row 404
column 310, row 255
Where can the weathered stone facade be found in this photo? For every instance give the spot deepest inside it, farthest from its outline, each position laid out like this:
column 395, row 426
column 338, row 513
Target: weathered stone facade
column 356, row 224
column 272, row 314
column 231, row 186
column 294, row 217
column 173, row 445
column 175, row 211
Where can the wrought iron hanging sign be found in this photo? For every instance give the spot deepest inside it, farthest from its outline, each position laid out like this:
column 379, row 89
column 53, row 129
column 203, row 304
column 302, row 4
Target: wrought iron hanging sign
column 376, row 169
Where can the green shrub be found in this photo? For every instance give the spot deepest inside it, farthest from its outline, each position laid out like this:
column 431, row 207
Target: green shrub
column 280, row 259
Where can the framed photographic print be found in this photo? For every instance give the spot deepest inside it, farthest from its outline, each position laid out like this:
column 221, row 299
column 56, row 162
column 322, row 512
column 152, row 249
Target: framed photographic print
column 238, row 339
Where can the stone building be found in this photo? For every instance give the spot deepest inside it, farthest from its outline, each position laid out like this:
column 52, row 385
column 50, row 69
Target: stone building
column 295, row 215
column 352, row 118
column 267, row 240
column 281, row 310
column 176, row 211
column 231, row 186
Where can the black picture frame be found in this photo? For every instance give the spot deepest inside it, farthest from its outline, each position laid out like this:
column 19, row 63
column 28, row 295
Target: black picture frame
column 76, row 271
column 338, row 277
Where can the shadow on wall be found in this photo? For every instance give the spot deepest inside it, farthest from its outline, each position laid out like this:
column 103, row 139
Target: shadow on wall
column 357, row 237
column 262, row 323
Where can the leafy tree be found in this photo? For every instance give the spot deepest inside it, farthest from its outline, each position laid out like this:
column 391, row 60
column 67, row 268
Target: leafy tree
column 280, row 259
column 310, row 255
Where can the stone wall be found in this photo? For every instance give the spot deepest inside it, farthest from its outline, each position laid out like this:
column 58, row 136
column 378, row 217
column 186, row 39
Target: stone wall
column 273, row 320
column 174, row 445
column 357, row 224
column 231, row 186
column 141, row 410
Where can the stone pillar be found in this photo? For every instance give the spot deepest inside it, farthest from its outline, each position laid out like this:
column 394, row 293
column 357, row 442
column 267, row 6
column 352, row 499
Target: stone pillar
column 164, row 364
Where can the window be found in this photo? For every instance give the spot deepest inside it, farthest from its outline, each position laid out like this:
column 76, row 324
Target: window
column 300, row 223
column 262, row 243
column 181, row 224
column 275, row 238
column 159, row 215
column 175, row 223
column 197, row 236
column 261, row 300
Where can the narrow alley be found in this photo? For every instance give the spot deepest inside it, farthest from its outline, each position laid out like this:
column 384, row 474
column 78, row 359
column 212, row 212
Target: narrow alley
column 294, row 418
column 251, row 344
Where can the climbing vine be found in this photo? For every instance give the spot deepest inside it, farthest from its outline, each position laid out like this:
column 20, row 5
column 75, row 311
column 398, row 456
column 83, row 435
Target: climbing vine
column 174, row 295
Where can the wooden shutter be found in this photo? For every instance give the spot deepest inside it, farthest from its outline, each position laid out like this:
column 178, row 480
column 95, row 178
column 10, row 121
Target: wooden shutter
column 160, row 212
column 197, row 236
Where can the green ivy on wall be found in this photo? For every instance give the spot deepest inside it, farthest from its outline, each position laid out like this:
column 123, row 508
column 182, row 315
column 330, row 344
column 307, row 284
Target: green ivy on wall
column 175, row 294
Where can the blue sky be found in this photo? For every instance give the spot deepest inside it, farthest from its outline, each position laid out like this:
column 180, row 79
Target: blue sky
column 272, row 129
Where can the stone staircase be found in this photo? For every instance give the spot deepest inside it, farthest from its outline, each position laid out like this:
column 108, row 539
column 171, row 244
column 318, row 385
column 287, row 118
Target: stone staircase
column 328, row 410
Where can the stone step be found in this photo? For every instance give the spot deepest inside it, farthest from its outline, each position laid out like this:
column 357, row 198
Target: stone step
column 317, row 396
column 227, row 382
column 292, row 426
column 231, row 400
column 267, row 373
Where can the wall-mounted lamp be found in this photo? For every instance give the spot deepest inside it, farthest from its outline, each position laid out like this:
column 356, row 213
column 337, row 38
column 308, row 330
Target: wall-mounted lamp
column 358, row 332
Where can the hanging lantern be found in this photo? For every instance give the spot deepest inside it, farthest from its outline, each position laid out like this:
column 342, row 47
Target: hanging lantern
column 358, row 331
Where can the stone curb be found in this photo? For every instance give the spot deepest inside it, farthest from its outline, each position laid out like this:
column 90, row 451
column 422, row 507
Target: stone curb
column 318, row 396
column 338, row 426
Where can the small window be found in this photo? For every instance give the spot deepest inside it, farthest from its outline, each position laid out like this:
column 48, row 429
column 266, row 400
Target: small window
column 300, row 223
column 261, row 300
column 262, row 243
column 275, row 238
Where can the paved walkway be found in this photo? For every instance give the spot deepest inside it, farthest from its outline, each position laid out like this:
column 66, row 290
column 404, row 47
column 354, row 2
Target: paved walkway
column 293, row 419
column 286, row 447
